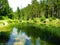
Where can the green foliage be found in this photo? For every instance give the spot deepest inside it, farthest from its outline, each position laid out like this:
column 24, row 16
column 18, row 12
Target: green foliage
column 5, row 18
column 36, row 20
column 42, row 18
column 18, row 13
column 45, row 8
column 1, row 18
column 5, row 10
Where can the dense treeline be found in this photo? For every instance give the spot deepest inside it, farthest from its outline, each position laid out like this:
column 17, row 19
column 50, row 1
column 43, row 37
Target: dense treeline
column 5, row 10
column 46, row 8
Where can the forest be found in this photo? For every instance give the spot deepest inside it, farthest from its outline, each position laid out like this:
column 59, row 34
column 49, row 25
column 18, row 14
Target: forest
column 38, row 19
column 44, row 8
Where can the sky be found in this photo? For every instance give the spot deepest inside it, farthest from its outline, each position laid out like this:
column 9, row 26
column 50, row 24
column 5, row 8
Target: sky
column 18, row 3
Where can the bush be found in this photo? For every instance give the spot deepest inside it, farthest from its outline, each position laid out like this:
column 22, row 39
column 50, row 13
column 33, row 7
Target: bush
column 1, row 18
column 36, row 20
column 42, row 18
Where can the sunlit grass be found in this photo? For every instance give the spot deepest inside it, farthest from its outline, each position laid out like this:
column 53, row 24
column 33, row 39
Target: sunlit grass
column 36, row 22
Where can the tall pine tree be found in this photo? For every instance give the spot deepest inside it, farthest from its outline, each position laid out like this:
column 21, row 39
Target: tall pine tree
column 5, row 10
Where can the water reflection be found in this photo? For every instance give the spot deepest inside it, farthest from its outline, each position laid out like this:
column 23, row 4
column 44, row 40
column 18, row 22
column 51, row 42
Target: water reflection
column 12, row 36
column 19, row 39
column 38, row 41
